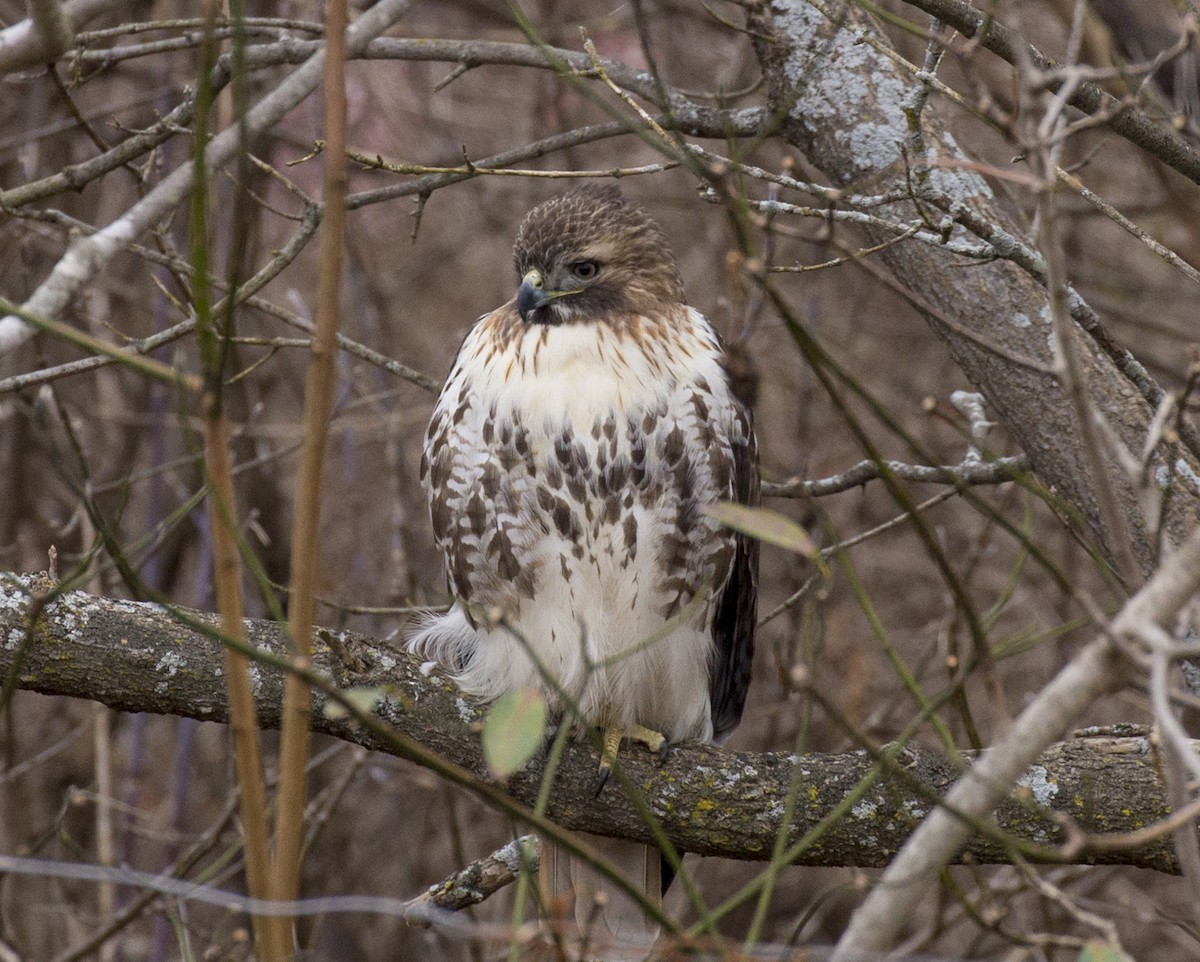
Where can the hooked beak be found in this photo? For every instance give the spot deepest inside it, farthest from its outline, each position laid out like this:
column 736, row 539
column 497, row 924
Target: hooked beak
column 532, row 294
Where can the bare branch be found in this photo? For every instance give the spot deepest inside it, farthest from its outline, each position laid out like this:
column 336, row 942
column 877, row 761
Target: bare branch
column 139, row 657
column 1128, row 121
column 477, row 881
column 48, row 33
column 964, row 474
column 88, row 256
column 1098, row 669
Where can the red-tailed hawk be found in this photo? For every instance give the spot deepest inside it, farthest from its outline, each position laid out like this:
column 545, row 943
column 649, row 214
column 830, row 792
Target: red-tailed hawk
column 583, row 429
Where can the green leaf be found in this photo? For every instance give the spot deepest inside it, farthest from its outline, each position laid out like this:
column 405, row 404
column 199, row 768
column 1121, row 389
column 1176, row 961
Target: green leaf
column 512, row 731
column 364, row 698
column 1098, row 951
column 765, row 525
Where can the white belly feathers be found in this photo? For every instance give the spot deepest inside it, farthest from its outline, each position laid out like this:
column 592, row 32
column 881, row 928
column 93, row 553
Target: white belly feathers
column 567, row 468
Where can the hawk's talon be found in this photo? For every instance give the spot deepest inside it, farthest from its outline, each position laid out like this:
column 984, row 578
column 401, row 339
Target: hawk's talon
column 653, row 740
column 601, row 779
column 608, row 755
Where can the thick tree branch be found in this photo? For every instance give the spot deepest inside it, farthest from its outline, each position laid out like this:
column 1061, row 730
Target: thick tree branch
column 1158, row 139
column 138, row 657
column 1097, row 670
column 847, row 108
column 47, row 33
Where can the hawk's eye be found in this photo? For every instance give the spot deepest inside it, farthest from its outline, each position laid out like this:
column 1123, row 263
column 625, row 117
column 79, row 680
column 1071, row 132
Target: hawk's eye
column 585, row 270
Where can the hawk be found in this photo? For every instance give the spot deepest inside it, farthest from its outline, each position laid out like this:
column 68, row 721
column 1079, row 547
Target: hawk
column 584, row 427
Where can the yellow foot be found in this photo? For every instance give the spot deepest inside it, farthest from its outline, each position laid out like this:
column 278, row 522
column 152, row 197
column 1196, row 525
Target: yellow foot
column 653, row 740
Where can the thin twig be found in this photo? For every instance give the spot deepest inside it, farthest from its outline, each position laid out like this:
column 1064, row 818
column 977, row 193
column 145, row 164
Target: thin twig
column 1109, row 211
column 473, row 170
column 87, row 257
column 1098, row 669
column 965, row 473
column 296, row 734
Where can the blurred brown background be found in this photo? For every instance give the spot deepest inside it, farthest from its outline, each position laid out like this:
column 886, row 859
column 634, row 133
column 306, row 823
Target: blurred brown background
column 82, row 783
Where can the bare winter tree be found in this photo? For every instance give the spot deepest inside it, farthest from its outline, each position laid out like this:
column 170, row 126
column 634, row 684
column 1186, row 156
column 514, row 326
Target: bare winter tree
column 951, row 252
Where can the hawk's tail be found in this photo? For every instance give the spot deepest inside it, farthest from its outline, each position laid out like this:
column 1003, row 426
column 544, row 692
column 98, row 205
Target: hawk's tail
column 589, row 911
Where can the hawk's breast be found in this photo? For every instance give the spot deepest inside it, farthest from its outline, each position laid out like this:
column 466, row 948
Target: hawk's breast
column 567, row 470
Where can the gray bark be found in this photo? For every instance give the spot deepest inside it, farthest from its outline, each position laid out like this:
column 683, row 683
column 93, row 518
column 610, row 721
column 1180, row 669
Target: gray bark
column 144, row 657
column 843, row 105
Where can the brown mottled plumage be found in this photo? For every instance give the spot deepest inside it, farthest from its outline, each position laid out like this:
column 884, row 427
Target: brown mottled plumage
column 583, row 429
column 597, row 223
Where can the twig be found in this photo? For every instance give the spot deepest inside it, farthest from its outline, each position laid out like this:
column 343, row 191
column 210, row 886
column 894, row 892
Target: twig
column 1096, row 670
column 1128, row 121
column 378, row 163
column 667, row 143
column 966, row 473
column 222, row 27
column 1109, row 211
column 800, row 593
column 426, row 184
column 296, row 735
column 88, row 256
column 917, row 231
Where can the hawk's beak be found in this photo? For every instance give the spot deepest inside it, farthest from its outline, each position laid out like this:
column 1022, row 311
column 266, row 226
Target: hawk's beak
column 532, row 294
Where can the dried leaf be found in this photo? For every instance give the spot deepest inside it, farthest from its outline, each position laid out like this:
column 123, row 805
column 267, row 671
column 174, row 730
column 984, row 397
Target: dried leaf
column 765, row 525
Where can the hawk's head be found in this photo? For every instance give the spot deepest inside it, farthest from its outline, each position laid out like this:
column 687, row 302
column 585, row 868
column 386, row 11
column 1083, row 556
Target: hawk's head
column 590, row 255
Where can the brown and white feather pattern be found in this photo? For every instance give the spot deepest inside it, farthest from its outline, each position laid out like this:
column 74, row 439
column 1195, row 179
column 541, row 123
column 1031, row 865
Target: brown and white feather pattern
column 567, row 467
column 583, row 429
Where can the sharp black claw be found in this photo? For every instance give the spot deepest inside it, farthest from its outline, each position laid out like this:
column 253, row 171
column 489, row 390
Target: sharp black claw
column 601, row 780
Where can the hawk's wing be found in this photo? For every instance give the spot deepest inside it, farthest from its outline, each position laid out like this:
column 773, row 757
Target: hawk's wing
column 737, row 607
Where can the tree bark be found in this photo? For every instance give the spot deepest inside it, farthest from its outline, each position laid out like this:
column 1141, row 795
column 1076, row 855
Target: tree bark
column 847, row 108
column 148, row 658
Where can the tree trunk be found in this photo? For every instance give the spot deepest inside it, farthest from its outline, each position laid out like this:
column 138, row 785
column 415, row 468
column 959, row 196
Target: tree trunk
column 847, row 108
